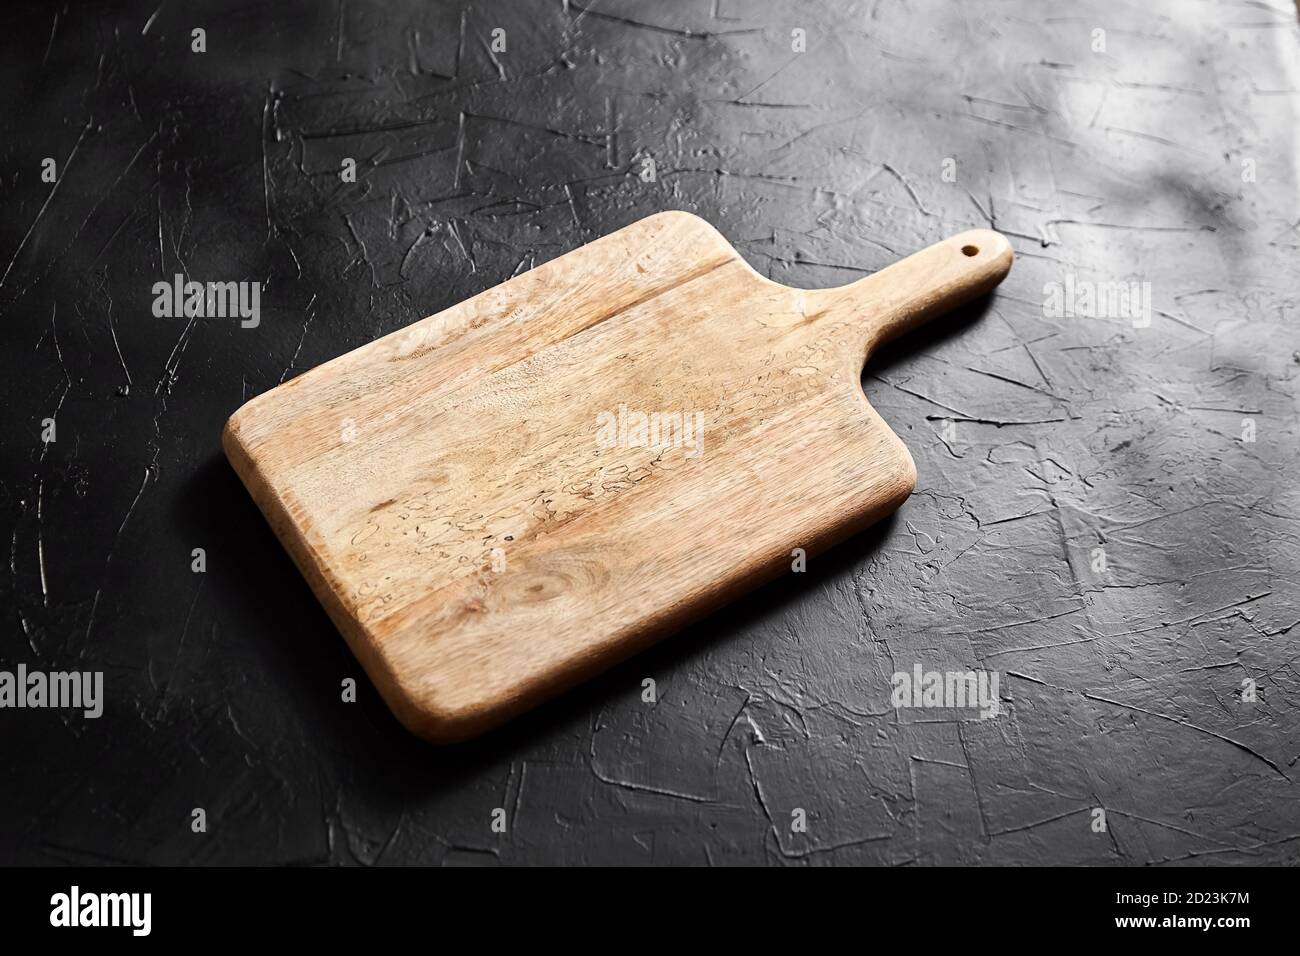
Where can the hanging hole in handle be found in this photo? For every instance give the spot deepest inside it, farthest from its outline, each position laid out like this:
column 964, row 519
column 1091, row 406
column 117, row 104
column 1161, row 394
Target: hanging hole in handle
column 970, row 250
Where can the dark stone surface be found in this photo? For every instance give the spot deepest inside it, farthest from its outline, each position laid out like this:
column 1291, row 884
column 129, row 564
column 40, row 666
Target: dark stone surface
column 1121, row 689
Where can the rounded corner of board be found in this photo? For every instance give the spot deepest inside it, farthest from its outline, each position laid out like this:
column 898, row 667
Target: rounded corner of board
column 230, row 431
column 680, row 215
column 423, row 712
column 232, row 442
column 907, row 483
column 684, row 219
column 442, row 728
column 905, row 471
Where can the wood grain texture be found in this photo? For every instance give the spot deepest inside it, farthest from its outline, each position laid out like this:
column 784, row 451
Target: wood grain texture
column 449, row 495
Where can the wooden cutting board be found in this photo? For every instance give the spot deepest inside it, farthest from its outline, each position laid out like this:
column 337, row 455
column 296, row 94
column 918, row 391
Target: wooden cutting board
column 503, row 499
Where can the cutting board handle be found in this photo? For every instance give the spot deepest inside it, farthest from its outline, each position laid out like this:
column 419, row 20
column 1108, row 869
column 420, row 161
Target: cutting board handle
column 926, row 284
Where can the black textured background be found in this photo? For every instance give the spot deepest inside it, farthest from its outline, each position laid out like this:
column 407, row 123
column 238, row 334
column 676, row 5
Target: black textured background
column 1122, row 690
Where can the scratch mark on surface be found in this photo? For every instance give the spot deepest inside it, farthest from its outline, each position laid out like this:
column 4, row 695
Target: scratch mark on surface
column 58, row 181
